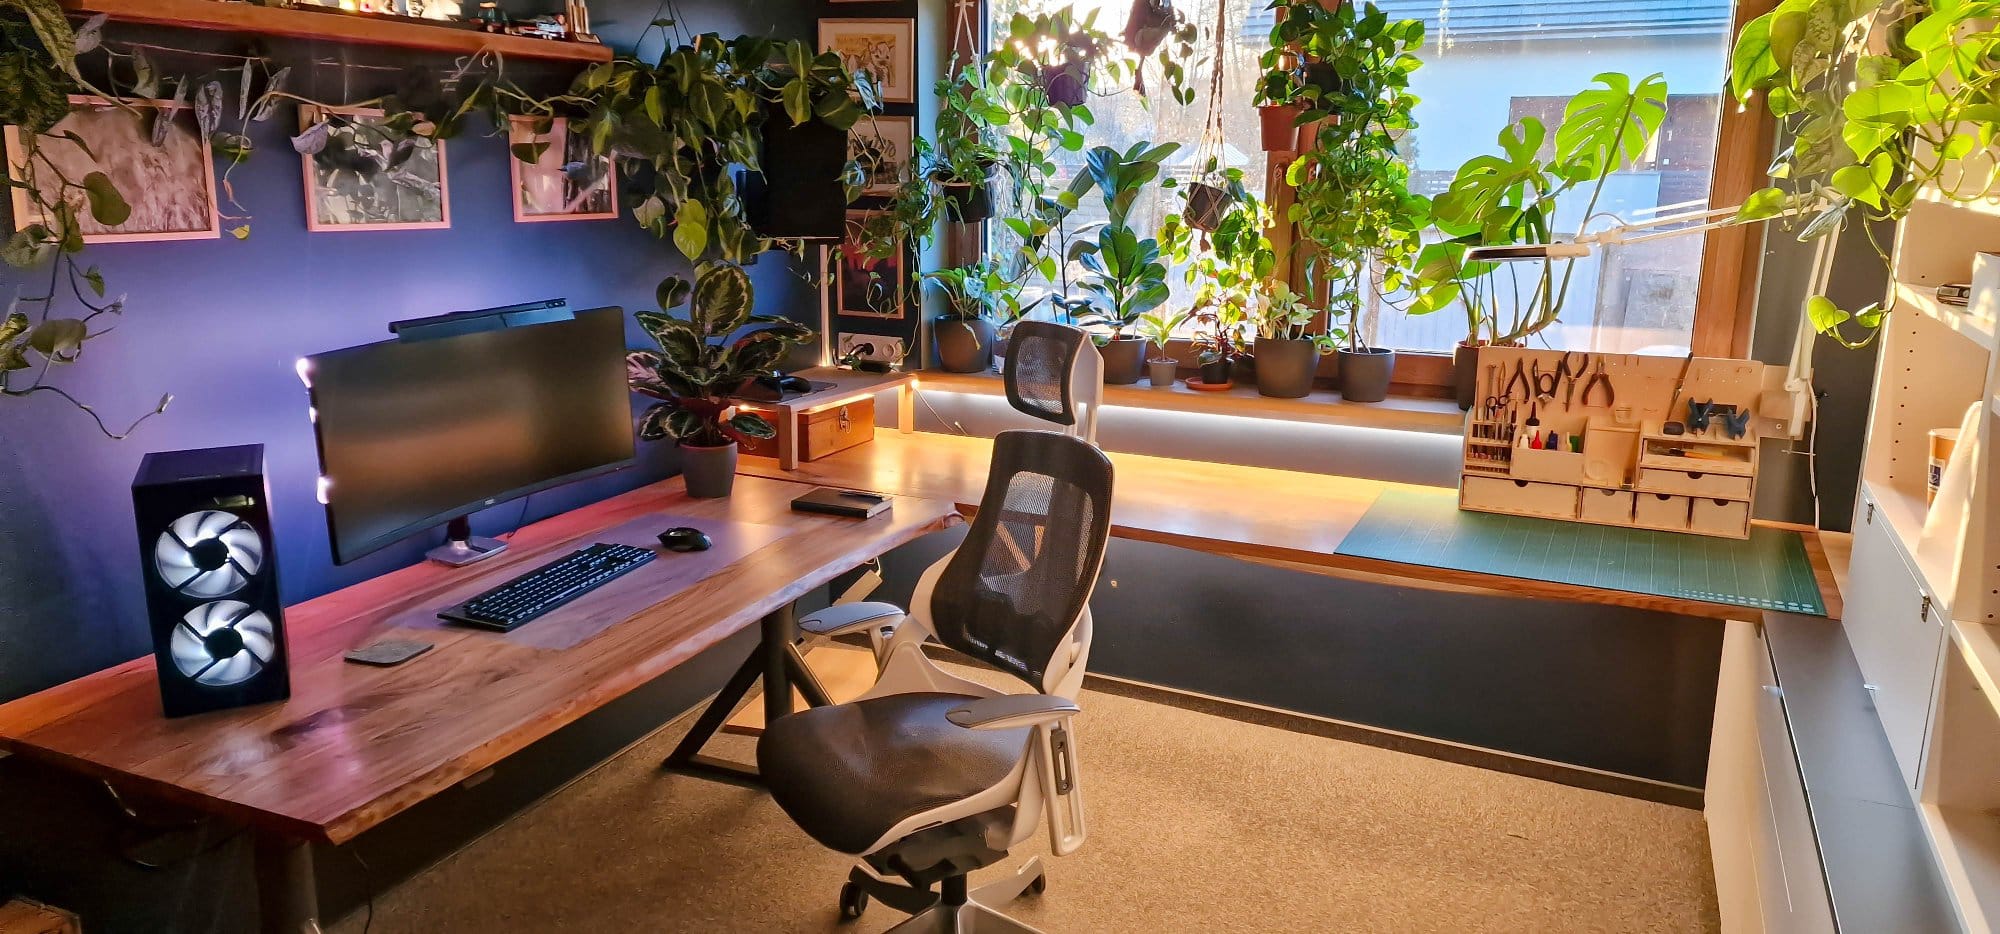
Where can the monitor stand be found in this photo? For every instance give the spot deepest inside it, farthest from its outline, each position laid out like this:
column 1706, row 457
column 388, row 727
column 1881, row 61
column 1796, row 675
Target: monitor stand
column 461, row 547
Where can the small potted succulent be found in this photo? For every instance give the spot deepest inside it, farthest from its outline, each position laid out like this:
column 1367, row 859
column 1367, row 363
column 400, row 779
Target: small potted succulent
column 1158, row 328
column 696, row 372
column 964, row 331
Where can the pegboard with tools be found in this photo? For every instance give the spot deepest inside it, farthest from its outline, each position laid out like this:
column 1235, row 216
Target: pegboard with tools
column 1665, row 443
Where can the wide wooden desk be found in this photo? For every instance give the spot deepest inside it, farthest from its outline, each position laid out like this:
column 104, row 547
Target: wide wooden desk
column 1257, row 513
column 356, row 745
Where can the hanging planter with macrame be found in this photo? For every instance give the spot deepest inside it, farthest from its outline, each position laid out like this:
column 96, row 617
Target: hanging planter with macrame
column 1212, row 193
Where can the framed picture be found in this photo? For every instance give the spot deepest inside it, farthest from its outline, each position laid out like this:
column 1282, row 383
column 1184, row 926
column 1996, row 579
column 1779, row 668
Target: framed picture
column 868, row 287
column 884, row 48
column 882, row 147
column 568, row 182
column 170, row 187
column 360, row 177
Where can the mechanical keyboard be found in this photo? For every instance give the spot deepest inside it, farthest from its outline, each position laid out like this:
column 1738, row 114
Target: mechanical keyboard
column 543, row 589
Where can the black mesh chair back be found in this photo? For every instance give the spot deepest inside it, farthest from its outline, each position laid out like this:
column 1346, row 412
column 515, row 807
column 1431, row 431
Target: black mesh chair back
column 1020, row 580
column 1040, row 355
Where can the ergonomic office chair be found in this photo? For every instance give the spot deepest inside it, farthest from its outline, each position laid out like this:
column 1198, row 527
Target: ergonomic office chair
column 929, row 776
column 1053, row 373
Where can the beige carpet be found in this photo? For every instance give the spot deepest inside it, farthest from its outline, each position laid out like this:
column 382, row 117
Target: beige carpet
column 1196, row 824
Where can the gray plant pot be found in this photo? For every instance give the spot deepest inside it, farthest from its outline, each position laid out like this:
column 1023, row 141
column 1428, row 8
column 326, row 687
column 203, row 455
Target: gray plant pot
column 1124, row 360
column 709, row 472
column 963, row 346
column 1161, row 372
column 1364, row 374
column 1285, row 367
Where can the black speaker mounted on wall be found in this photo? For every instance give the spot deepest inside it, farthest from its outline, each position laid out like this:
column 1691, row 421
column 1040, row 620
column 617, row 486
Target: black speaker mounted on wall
column 211, row 578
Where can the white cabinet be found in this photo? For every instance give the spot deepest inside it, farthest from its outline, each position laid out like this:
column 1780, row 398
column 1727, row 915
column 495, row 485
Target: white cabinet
column 1896, row 632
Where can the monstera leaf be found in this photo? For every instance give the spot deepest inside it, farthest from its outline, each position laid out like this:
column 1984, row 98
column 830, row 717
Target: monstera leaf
column 1607, row 128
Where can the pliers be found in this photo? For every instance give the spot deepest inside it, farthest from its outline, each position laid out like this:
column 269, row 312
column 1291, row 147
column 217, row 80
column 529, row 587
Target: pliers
column 1598, row 379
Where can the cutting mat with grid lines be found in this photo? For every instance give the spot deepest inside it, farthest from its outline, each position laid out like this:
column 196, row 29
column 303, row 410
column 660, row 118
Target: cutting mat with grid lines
column 1767, row 571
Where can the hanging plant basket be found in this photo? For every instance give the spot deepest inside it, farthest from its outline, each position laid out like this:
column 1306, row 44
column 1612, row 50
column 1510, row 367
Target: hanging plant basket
column 1149, row 25
column 1067, row 84
column 1206, row 206
column 968, row 202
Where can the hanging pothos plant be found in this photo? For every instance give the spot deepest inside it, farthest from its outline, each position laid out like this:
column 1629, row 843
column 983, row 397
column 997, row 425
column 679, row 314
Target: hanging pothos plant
column 1885, row 104
column 681, row 126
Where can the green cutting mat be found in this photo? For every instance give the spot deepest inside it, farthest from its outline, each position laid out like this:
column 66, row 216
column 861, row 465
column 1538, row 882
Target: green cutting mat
column 1768, row 571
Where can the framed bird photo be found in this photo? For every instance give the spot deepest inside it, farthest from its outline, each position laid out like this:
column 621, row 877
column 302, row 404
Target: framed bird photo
column 362, row 174
column 556, row 175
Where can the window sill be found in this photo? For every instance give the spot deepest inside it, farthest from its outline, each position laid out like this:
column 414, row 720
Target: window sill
column 1400, row 413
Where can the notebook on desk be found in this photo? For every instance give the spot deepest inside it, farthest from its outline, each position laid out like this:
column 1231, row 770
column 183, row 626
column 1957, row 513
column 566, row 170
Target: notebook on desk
column 835, row 502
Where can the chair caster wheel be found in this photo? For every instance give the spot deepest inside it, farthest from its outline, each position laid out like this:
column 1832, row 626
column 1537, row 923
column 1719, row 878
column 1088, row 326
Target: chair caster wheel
column 853, row 901
column 1040, row 885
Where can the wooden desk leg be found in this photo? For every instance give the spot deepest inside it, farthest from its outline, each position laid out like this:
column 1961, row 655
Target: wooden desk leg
column 772, row 661
column 906, row 408
column 287, row 897
column 788, row 441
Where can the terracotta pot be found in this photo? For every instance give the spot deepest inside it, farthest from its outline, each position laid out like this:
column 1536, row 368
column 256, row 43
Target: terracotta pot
column 709, row 472
column 1365, row 374
column 1124, row 359
column 1285, row 367
column 963, row 345
column 1279, row 126
column 1160, row 373
column 1465, row 374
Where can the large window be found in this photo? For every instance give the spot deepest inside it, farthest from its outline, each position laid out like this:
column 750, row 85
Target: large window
column 1487, row 63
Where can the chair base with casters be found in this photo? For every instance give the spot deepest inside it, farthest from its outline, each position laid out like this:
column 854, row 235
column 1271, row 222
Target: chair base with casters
column 929, row 776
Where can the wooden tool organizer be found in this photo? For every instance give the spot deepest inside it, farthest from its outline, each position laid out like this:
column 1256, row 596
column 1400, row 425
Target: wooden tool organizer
column 1586, row 437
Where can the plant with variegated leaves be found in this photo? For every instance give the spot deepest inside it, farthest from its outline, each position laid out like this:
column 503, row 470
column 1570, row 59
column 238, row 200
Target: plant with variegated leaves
column 702, row 362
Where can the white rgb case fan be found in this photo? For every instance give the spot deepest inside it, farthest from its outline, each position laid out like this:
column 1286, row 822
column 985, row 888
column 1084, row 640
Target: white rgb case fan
column 223, row 643
column 208, row 554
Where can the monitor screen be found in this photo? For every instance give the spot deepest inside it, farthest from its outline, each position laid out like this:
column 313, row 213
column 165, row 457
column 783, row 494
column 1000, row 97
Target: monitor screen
column 415, row 433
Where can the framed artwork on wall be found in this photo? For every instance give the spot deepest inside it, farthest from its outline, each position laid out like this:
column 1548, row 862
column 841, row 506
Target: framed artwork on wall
column 884, row 48
column 868, row 287
column 361, row 176
column 566, row 182
column 170, row 187
column 882, row 147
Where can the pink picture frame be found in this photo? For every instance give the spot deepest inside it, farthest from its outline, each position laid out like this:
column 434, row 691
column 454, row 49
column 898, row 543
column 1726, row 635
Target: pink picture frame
column 393, row 197
column 546, row 183
column 172, row 194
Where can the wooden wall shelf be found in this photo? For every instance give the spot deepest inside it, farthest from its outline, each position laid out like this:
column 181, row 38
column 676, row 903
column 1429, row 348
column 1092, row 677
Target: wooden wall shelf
column 223, row 16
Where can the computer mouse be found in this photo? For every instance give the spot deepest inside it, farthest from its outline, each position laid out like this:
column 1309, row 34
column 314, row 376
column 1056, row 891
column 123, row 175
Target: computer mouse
column 684, row 538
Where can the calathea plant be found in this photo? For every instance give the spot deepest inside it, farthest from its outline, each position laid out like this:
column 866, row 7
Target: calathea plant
column 1884, row 103
column 701, row 362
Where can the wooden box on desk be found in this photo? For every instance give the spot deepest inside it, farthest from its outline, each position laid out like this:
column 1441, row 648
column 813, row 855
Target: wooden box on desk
column 826, row 431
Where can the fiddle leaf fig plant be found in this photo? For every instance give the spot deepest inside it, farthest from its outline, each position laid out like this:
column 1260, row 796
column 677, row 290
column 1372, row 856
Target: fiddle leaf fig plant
column 1885, row 103
column 701, row 362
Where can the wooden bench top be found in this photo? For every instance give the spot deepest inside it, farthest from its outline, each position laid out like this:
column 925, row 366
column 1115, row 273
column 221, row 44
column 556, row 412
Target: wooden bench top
column 356, row 744
column 1256, row 513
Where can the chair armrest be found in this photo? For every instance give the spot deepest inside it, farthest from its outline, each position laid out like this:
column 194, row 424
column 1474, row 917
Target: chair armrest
column 843, row 618
column 1012, row 711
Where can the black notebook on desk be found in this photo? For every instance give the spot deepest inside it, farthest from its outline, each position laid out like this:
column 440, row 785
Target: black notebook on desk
column 849, row 503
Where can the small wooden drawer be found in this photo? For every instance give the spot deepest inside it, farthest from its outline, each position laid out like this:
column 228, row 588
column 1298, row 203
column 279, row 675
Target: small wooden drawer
column 1713, row 485
column 826, row 431
column 1661, row 511
column 1518, row 497
column 1720, row 517
column 1613, row 507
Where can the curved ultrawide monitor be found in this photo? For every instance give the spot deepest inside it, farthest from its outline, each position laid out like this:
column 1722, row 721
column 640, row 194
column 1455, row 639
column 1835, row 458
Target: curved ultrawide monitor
column 417, row 433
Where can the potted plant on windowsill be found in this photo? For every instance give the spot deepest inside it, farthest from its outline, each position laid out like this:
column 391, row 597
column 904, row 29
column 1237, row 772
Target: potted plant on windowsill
column 1287, row 352
column 1123, row 272
column 964, row 332
column 696, row 370
column 1158, row 329
column 1354, row 207
column 1505, row 204
column 1218, row 343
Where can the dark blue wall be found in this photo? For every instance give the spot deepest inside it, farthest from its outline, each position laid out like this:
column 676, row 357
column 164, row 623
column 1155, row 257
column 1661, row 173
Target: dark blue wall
column 219, row 324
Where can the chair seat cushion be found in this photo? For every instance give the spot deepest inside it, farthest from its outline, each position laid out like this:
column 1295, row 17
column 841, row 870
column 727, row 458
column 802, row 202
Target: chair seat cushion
column 849, row 772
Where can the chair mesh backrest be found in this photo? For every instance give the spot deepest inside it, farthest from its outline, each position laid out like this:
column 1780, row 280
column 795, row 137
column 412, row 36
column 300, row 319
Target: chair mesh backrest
column 1039, row 357
column 1021, row 578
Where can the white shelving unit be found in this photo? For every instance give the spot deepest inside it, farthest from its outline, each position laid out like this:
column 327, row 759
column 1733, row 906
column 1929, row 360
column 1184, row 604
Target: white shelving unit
column 1924, row 585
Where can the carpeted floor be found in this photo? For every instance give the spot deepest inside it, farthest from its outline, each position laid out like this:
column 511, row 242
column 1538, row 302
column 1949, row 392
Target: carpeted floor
column 1196, row 824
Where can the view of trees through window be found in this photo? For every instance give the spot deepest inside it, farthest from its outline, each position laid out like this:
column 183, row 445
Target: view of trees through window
column 1486, row 64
